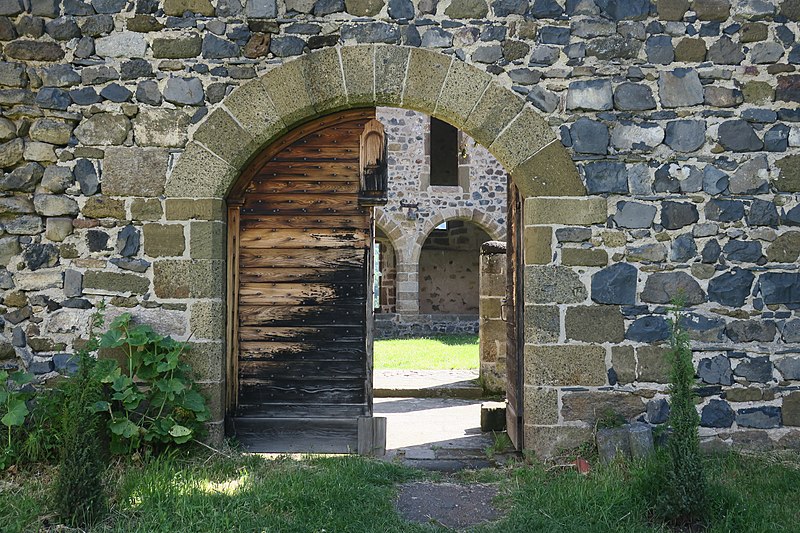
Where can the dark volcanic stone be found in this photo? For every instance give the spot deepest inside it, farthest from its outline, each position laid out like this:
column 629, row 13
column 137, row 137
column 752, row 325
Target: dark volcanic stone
column 86, row 176
column 546, row 9
column 759, row 417
column 664, row 287
column 751, row 330
column 38, row 256
column 717, row 414
column 715, row 370
column 606, row 177
column 657, row 411
column 683, row 248
column 711, row 252
column 286, row 46
column 116, row 93
column 762, row 213
column 615, row 285
column 780, row 287
column 732, row 288
column 788, row 88
column 659, row 49
column 675, row 215
column 633, row 97
column 756, row 369
column 503, row 8
column 589, row 136
column 743, row 251
column 739, row 136
column 685, row 135
column 401, row 9
column 648, row 329
column 128, row 241
column 624, row 9
column 373, row 32
column 724, row 210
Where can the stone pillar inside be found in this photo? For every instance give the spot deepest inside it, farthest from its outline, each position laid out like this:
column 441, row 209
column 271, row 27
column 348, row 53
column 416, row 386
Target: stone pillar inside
column 492, row 327
column 407, row 288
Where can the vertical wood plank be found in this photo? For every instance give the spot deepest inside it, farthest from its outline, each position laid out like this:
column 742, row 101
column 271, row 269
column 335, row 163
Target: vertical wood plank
column 513, row 312
column 232, row 344
column 372, row 436
column 370, row 310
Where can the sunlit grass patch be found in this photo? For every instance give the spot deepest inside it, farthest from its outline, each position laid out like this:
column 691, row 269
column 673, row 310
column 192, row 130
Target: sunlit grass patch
column 445, row 352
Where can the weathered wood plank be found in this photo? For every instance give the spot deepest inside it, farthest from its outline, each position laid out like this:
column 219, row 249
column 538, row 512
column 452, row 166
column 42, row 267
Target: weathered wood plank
column 279, row 315
column 293, row 204
column 272, row 435
column 309, row 169
column 301, row 275
column 348, row 185
column 303, row 221
column 299, row 370
column 307, row 391
column 300, row 351
column 301, row 333
column 289, row 410
column 298, row 293
column 301, row 238
column 232, row 333
column 303, row 258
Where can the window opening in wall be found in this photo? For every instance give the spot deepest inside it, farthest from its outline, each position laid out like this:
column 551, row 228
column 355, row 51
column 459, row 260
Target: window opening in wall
column 444, row 154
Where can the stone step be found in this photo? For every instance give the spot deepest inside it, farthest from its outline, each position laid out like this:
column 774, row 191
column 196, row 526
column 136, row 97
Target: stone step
column 462, row 390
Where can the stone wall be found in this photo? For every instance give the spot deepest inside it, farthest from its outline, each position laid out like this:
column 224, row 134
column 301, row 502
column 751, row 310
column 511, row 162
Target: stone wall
column 121, row 133
column 493, row 334
column 449, row 269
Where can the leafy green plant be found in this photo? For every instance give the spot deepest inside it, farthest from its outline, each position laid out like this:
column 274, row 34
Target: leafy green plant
column 153, row 401
column 13, row 406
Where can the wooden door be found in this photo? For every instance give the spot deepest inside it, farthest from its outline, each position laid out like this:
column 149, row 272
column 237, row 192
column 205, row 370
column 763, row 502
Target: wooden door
column 513, row 309
column 302, row 306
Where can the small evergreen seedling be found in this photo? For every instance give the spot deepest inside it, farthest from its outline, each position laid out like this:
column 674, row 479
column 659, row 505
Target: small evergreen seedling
column 79, row 496
column 686, row 482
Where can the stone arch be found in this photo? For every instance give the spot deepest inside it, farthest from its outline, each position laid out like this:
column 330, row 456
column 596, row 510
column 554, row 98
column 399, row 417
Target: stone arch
column 393, row 232
column 332, row 79
column 475, row 216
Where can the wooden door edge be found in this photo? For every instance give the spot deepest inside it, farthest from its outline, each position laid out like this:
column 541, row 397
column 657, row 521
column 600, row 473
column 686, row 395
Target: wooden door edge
column 232, row 326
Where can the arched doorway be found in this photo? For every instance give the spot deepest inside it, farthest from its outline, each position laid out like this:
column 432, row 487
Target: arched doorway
column 260, row 112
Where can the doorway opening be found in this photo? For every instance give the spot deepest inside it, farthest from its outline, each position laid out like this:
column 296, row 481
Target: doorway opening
column 312, row 265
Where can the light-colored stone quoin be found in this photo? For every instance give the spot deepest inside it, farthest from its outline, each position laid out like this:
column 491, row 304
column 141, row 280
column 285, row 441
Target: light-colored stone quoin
column 584, row 104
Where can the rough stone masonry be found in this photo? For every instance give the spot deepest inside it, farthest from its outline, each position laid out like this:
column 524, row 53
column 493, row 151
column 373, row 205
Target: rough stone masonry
column 681, row 116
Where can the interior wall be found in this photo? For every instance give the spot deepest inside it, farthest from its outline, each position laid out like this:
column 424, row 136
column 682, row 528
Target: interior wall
column 449, row 269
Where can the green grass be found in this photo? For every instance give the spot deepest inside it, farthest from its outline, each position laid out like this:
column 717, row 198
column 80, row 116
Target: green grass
column 445, row 352
column 352, row 494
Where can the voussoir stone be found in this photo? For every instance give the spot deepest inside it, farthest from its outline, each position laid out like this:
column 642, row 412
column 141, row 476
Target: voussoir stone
column 149, row 165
